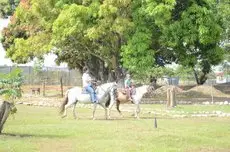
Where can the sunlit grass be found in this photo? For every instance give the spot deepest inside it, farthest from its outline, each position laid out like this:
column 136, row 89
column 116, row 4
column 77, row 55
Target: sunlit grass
column 189, row 108
column 41, row 129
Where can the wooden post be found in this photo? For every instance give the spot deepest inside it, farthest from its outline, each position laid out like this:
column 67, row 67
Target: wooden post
column 61, row 87
column 172, row 97
column 168, row 98
column 4, row 113
column 44, row 87
column 155, row 122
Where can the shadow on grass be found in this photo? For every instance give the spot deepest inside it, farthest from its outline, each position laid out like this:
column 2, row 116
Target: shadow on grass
column 29, row 135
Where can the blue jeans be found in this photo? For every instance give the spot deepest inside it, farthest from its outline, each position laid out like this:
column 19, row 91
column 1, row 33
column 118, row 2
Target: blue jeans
column 92, row 93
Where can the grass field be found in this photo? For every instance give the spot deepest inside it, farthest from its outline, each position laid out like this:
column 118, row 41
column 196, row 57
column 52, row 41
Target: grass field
column 41, row 129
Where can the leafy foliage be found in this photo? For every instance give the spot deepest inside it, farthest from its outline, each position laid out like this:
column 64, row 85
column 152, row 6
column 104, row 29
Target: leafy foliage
column 197, row 33
column 141, row 36
column 10, row 85
column 7, row 7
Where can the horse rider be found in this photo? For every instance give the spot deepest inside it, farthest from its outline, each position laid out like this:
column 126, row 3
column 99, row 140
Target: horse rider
column 128, row 87
column 88, row 86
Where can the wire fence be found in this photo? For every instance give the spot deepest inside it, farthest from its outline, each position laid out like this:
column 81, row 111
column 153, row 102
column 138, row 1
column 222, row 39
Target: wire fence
column 54, row 80
column 48, row 75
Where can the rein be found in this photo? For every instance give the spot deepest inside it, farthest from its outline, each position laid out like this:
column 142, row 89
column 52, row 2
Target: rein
column 104, row 89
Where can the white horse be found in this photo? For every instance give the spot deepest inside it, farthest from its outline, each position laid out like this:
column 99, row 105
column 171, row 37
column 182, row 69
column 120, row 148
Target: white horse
column 120, row 97
column 74, row 95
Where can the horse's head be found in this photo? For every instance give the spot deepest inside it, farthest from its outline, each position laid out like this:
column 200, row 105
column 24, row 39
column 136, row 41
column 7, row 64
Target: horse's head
column 144, row 89
column 151, row 87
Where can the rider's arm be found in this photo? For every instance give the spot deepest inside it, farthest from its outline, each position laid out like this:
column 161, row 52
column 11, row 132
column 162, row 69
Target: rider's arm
column 88, row 78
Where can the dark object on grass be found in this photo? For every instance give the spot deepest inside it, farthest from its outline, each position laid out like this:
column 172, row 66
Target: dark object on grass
column 155, row 122
column 5, row 109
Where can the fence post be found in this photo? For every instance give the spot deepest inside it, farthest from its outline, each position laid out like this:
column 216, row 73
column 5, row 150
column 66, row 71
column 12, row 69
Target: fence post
column 44, row 87
column 212, row 92
column 171, row 98
column 61, row 87
column 168, row 98
column 69, row 78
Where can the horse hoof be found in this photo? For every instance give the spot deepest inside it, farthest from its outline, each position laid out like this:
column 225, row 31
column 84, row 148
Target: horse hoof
column 63, row 116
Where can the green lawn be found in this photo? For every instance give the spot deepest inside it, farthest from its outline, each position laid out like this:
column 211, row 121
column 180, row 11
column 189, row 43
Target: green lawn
column 41, row 129
column 189, row 108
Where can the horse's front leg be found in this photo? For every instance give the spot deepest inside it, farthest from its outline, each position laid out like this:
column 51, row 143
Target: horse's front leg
column 103, row 106
column 137, row 111
column 109, row 108
column 94, row 109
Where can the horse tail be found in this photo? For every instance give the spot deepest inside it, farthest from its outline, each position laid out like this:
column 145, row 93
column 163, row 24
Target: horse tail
column 62, row 108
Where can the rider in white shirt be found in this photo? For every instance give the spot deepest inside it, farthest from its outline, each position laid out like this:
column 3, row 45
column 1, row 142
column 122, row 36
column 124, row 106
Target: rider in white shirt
column 87, row 84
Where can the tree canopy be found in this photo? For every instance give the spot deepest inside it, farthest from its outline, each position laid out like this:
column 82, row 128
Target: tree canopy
column 7, row 7
column 106, row 35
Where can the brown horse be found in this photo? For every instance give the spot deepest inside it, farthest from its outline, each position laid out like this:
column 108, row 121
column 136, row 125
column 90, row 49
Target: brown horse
column 122, row 98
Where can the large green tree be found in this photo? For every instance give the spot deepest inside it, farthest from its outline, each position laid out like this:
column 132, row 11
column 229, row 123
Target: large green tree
column 7, row 7
column 142, row 35
column 223, row 10
column 93, row 34
column 186, row 32
column 141, row 53
column 194, row 36
column 29, row 32
column 79, row 32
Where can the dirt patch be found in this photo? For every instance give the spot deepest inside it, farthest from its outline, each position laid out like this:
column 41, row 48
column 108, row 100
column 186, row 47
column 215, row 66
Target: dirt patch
column 57, row 146
column 208, row 90
column 39, row 100
column 195, row 92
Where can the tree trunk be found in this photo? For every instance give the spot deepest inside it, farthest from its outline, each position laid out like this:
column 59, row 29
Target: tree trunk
column 202, row 79
column 97, row 69
column 4, row 113
column 196, row 76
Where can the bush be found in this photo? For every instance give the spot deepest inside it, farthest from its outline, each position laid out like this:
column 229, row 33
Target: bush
column 10, row 85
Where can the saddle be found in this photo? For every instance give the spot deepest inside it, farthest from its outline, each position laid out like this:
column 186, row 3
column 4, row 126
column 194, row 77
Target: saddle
column 94, row 85
column 123, row 91
column 84, row 91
